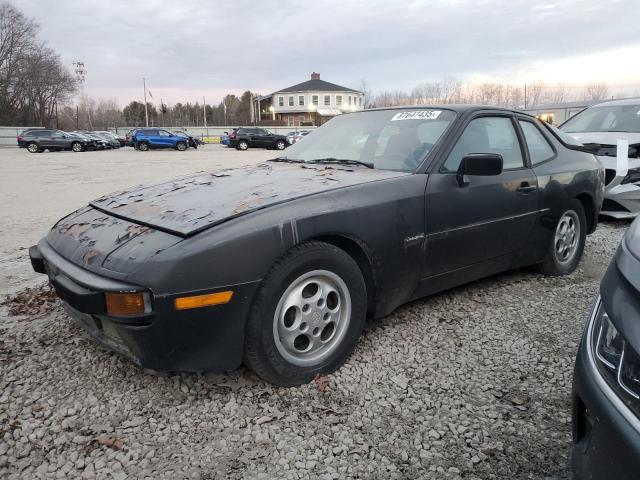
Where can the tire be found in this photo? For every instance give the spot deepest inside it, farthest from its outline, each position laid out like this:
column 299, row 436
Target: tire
column 181, row 146
column 143, row 146
column 242, row 145
column 567, row 243
column 322, row 333
column 33, row 147
column 280, row 145
column 76, row 147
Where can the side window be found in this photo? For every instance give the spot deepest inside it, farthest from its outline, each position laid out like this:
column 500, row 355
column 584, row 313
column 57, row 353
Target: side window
column 539, row 148
column 164, row 133
column 487, row 135
column 56, row 134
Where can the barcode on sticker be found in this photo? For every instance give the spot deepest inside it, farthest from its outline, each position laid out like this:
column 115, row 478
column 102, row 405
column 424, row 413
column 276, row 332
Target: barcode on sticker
column 417, row 115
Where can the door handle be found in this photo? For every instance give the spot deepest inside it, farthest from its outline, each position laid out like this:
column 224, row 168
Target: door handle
column 526, row 188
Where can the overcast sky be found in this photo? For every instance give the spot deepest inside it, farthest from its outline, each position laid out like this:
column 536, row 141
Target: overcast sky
column 187, row 48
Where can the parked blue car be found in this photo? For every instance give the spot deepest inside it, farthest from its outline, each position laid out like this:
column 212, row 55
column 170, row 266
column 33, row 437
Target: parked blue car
column 144, row 139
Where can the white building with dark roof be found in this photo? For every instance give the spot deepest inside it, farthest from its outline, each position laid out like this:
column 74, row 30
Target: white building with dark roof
column 309, row 103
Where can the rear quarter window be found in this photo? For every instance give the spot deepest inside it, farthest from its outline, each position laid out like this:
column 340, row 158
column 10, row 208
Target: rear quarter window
column 538, row 146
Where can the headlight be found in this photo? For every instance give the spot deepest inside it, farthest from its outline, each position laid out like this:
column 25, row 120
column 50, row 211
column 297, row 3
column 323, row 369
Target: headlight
column 633, row 176
column 616, row 360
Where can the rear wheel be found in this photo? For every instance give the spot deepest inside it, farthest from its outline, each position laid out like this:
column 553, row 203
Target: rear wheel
column 280, row 145
column 76, row 147
column 242, row 145
column 567, row 244
column 33, row 147
column 181, row 146
column 307, row 316
column 143, row 146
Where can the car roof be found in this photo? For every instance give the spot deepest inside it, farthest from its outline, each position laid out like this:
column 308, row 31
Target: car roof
column 447, row 106
column 619, row 102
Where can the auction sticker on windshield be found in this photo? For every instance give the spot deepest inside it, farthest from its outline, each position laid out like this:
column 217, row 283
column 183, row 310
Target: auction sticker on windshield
column 417, row 115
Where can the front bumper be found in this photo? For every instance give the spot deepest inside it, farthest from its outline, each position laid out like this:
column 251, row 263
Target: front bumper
column 621, row 200
column 166, row 339
column 606, row 432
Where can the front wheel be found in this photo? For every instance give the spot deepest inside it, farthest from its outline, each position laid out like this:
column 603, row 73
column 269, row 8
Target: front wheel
column 567, row 244
column 181, row 146
column 280, row 145
column 76, row 147
column 307, row 316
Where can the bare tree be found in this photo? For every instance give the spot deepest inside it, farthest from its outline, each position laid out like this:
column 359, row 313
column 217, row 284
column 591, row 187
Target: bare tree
column 366, row 90
column 33, row 81
column 596, row 91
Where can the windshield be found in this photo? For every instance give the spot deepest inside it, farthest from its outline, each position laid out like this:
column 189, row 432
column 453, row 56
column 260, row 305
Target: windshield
column 386, row 139
column 614, row 118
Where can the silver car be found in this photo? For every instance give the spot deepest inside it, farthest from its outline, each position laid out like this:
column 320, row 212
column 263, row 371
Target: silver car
column 604, row 125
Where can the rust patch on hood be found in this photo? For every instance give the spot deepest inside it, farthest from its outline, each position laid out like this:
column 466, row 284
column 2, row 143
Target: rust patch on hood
column 192, row 203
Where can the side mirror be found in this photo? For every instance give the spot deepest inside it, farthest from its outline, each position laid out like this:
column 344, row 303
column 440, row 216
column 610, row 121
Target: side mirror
column 480, row 164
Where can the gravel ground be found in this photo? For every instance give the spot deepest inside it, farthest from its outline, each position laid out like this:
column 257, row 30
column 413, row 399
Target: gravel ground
column 473, row 383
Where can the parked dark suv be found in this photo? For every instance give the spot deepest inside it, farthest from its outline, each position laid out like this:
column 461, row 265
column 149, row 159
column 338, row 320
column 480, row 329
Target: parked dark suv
column 53, row 140
column 244, row 138
column 606, row 386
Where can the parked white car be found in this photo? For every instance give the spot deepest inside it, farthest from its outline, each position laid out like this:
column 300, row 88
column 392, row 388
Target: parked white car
column 606, row 125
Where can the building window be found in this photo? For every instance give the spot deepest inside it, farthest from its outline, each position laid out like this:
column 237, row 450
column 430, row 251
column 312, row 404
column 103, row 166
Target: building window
column 301, row 119
column 281, row 101
column 349, row 100
column 291, row 101
column 301, row 100
column 314, row 99
column 360, row 101
column 327, row 100
column 338, row 100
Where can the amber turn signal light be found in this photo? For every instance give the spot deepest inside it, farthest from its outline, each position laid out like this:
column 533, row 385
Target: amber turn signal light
column 125, row 304
column 197, row 301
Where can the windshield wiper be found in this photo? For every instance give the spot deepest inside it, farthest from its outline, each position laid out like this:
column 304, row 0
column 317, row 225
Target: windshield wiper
column 341, row 161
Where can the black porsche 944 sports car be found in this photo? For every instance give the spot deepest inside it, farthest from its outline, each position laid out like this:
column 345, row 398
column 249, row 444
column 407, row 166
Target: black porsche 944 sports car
column 279, row 264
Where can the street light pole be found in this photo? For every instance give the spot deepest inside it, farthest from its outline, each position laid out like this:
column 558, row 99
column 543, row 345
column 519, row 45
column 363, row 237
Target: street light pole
column 204, row 111
column 146, row 112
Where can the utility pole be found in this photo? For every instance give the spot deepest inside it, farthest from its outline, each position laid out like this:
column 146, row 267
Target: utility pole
column 146, row 112
column 81, row 75
column 204, row 111
column 224, row 109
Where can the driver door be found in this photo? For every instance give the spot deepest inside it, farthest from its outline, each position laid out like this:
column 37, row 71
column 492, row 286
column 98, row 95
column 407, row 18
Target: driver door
column 490, row 216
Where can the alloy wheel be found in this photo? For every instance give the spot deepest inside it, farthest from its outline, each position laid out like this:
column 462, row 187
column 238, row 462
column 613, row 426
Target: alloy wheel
column 567, row 237
column 312, row 318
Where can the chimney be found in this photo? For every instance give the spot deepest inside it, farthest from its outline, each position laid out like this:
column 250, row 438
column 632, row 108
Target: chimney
column 315, row 76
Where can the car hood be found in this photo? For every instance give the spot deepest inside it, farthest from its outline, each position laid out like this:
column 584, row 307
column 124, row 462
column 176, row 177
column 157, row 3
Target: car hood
column 609, row 140
column 606, row 138
column 189, row 204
